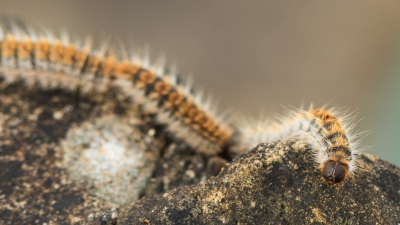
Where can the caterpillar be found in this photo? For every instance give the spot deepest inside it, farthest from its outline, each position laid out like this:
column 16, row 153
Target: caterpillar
column 330, row 136
column 57, row 62
column 52, row 62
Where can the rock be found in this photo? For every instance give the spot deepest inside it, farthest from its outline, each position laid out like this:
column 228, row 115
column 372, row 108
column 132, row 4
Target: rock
column 66, row 158
column 39, row 176
column 278, row 183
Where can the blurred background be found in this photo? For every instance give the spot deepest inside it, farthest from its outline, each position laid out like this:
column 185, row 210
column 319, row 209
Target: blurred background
column 256, row 56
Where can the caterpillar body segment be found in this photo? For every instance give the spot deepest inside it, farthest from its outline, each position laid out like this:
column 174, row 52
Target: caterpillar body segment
column 52, row 61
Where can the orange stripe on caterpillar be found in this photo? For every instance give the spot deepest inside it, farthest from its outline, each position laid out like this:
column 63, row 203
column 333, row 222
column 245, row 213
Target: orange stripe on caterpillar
column 56, row 62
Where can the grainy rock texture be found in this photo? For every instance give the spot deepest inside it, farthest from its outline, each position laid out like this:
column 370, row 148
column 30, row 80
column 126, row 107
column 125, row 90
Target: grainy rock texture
column 56, row 165
column 278, row 183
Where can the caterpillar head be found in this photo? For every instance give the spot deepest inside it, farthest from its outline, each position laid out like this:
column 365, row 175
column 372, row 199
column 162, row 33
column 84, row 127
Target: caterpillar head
column 335, row 171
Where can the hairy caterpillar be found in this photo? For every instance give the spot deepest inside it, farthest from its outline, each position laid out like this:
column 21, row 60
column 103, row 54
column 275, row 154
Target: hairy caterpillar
column 51, row 62
column 330, row 136
column 56, row 62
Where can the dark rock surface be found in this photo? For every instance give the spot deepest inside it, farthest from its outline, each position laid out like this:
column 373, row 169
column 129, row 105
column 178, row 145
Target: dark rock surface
column 278, row 183
column 38, row 185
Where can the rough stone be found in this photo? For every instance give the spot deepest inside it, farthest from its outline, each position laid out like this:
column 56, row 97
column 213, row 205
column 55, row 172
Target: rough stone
column 278, row 183
column 49, row 172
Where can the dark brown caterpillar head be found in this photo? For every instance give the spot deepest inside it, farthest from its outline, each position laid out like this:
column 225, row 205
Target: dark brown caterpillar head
column 334, row 171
